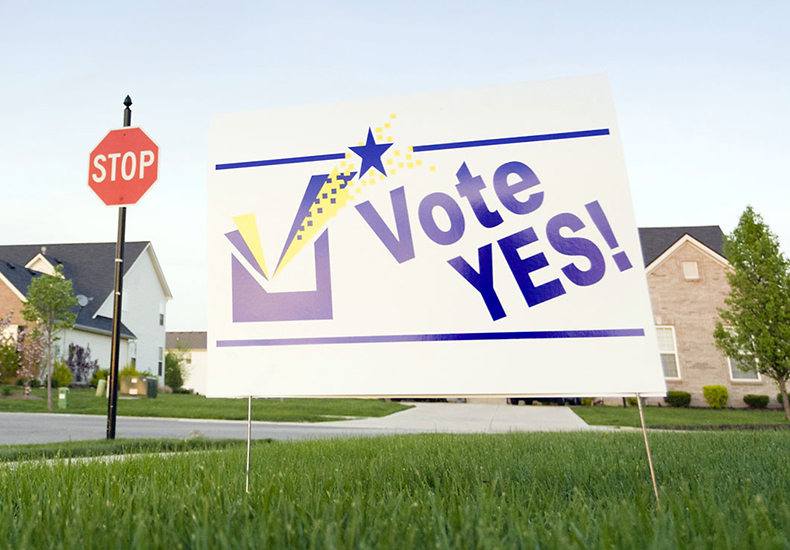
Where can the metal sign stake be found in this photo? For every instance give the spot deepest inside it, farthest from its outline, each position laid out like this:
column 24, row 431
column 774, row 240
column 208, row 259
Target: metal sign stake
column 647, row 446
column 249, row 439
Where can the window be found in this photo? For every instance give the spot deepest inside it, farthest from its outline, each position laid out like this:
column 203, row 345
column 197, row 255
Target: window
column 668, row 351
column 737, row 374
column 161, row 314
column 161, row 360
column 690, row 271
column 133, row 353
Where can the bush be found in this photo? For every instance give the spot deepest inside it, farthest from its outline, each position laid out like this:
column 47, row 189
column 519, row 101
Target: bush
column 99, row 374
column 9, row 362
column 165, row 389
column 756, row 401
column 779, row 398
column 678, row 398
column 631, row 401
column 717, row 396
column 129, row 370
column 174, row 370
column 587, row 401
column 6, row 391
column 61, row 375
column 81, row 364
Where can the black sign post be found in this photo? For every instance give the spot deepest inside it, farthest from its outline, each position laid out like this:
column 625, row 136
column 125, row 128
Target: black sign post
column 112, row 402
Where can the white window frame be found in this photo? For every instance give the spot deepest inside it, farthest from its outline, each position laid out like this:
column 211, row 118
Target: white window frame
column 133, row 353
column 161, row 362
column 733, row 368
column 675, row 346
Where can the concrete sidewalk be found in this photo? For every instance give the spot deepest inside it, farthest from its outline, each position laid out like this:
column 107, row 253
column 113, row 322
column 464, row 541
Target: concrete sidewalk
column 472, row 418
column 19, row 428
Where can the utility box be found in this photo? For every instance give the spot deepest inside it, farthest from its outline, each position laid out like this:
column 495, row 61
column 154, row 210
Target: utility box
column 153, row 387
column 101, row 388
column 63, row 398
column 133, row 385
column 139, row 386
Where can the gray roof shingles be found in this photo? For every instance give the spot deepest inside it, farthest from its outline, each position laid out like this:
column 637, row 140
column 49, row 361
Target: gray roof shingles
column 90, row 267
column 188, row 340
column 656, row 240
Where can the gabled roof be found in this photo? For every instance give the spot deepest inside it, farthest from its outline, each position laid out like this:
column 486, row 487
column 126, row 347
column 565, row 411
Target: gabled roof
column 187, row 340
column 90, row 267
column 657, row 240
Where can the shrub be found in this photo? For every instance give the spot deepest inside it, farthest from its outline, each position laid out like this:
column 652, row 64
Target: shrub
column 756, row 401
column 631, row 401
column 6, row 391
column 717, row 396
column 99, row 374
column 587, row 401
column 9, row 362
column 61, row 374
column 165, row 389
column 678, row 398
column 81, row 364
column 174, row 370
column 779, row 398
column 129, row 370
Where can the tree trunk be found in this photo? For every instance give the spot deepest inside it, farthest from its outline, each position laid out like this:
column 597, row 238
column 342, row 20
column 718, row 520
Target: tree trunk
column 50, row 328
column 783, row 389
column 49, row 374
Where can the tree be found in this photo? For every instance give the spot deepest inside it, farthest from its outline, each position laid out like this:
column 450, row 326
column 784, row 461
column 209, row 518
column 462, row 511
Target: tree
column 50, row 299
column 755, row 329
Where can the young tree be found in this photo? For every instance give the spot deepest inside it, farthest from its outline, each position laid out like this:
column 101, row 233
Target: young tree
column 755, row 329
column 50, row 299
column 31, row 346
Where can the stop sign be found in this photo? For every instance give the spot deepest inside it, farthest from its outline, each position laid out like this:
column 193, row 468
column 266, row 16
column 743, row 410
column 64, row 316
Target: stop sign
column 123, row 166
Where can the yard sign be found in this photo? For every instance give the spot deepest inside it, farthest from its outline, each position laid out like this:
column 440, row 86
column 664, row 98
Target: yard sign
column 472, row 243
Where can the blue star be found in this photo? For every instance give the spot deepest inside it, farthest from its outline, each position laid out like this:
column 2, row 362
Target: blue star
column 370, row 153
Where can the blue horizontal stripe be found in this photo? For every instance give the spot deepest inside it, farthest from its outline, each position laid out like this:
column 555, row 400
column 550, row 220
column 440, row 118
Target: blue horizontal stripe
column 530, row 335
column 274, row 162
column 422, row 148
column 510, row 140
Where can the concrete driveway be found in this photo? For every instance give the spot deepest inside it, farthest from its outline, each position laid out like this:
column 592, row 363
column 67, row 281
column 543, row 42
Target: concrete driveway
column 20, row 428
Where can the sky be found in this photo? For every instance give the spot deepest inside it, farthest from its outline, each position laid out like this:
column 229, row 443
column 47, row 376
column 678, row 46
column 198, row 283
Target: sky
column 700, row 90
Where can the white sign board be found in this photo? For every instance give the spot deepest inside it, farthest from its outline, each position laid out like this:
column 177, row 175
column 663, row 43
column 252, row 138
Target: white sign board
column 473, row 243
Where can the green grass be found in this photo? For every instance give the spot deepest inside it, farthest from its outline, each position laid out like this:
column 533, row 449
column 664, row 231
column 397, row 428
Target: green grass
column 105, row 447
column 550, row 491
column 196, row 406
column 670, row 416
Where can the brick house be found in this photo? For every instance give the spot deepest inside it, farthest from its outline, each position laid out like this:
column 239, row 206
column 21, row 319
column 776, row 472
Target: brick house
column 686, row 276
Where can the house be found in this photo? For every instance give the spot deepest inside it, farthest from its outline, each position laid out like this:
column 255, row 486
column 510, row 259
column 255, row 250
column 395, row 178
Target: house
column 687, row 279
column 193, row 346
column 91, row 268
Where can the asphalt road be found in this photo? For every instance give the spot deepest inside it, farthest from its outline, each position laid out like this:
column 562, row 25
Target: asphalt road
column 21, row 428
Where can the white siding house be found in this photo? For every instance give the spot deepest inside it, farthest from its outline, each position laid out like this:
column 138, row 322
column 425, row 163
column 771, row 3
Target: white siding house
column 91, row 268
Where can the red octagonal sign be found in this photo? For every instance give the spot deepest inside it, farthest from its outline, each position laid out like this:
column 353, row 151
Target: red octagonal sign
column 123, row 166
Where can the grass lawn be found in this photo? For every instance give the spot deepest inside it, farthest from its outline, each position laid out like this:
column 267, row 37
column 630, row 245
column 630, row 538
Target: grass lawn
column 195, row 406
column 722, row 490
column 670, row 416
column 105, row 447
